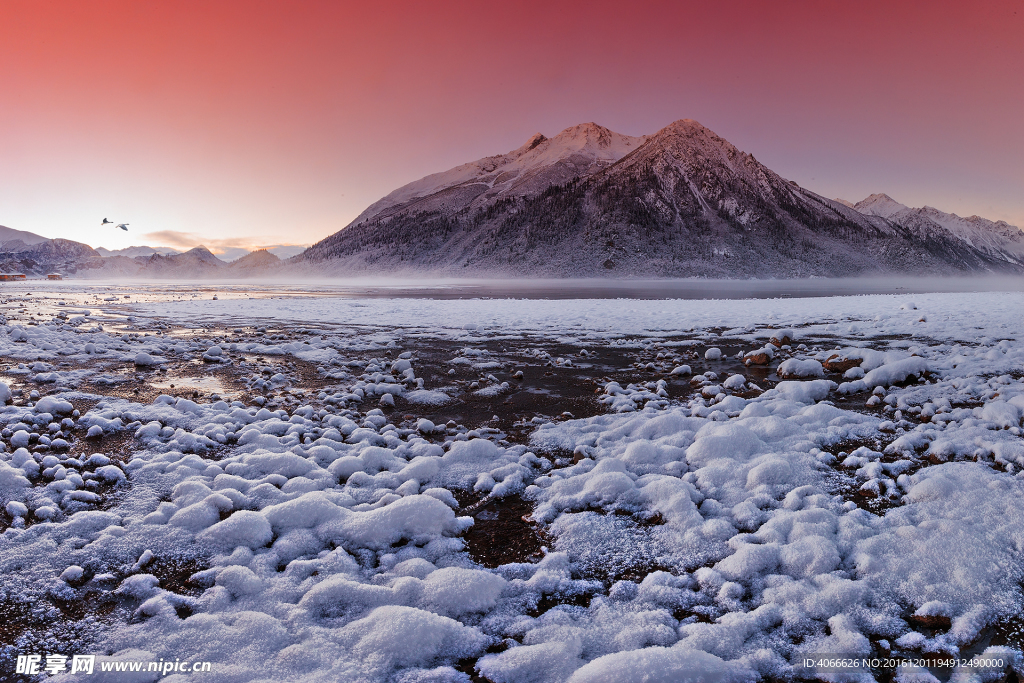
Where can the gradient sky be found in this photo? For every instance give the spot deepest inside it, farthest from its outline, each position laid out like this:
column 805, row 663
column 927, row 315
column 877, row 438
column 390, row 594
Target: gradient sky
column 247, row 123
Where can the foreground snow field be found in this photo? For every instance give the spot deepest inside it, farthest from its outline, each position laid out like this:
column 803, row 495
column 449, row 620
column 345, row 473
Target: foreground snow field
column 276, row 486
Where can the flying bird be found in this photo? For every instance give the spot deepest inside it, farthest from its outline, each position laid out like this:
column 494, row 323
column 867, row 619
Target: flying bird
column 105, row 221
column 123, row 226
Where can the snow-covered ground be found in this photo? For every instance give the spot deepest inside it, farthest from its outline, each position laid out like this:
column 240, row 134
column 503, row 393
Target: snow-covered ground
column 302, row 529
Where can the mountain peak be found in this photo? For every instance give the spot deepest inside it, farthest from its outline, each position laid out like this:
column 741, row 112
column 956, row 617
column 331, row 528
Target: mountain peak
column 690, row 129
column 685, row 124
column 879, row 204
column 692, row 134
column 588, row 139
column 687, row 142
column 201, row 253
column 582, row 136
column 534, row 140
column 590, row 132
column 259, row 258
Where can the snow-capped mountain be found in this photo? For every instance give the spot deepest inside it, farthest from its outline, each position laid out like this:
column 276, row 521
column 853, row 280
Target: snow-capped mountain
column 999, row 239
column 42, row 256
column 878, row 205
column 589, row 202
column 26, row 252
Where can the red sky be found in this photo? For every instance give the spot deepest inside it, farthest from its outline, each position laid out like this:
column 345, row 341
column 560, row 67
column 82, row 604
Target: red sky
column 257, row 122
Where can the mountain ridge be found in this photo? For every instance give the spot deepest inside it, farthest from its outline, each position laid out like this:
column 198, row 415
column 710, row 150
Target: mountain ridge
column 23, row 236
column 997, row 238
column 682, row 202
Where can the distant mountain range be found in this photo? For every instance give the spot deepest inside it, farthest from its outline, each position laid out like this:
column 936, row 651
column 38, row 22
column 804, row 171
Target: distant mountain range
column 590, row 202
column 197, row 263
column 999, row 239
column 682, row 202
column 32, row 254
column 132, row 252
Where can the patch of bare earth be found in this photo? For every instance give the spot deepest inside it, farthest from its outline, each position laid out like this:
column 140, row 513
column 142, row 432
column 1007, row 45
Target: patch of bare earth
column 503, row 533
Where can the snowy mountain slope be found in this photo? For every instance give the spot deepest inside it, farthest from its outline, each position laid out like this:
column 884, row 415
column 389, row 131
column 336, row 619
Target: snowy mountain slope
column 27, row 238
column 538, row 164
column 998, row 239
column 979, row 232
column 43, row 257
column 682, row 202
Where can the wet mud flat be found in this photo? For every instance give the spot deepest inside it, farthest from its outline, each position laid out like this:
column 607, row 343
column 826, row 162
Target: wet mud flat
column 563, row 381
column 500, row 389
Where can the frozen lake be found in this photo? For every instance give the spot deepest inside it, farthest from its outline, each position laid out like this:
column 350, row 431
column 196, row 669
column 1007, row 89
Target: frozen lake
column 538, row 289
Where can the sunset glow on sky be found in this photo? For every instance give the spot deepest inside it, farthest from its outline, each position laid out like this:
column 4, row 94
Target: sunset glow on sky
column 249, row 123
